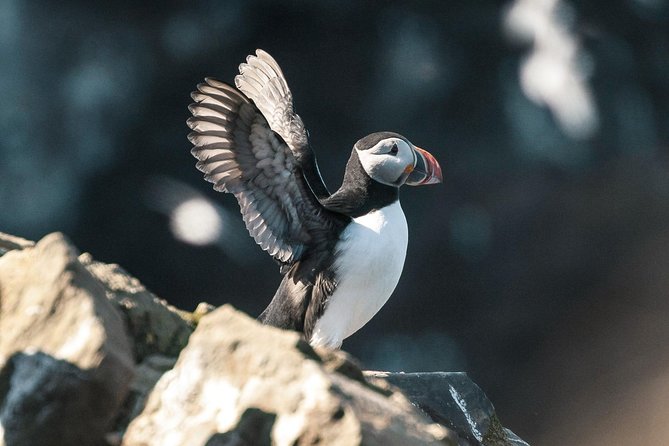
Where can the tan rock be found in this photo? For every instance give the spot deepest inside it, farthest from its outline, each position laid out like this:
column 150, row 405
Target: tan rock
column 10, row 242
column 65, row 359
column 239, row 382
column 158, row 331
column 155, row 326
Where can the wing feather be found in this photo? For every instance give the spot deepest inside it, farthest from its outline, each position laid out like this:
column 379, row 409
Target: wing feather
column 239, row 151
column 262, row 81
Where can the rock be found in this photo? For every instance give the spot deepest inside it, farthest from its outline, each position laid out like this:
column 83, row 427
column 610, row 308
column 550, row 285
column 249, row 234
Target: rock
column 202, row 309
column 65, row 358
column 155, row 326
column 159, row 332
column 241, row 383
column 147, row 374
column 10, row 242
column 453, row 400
column 69, row 330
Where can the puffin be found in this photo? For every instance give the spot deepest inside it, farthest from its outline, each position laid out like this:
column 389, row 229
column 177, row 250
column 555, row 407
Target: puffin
column 341, row 254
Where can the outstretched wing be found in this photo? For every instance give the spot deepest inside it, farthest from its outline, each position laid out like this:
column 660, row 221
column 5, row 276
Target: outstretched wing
column 241, row 153
column 262, row 81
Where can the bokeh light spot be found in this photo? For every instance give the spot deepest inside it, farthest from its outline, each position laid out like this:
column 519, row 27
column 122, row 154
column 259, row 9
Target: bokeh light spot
column 196, row 221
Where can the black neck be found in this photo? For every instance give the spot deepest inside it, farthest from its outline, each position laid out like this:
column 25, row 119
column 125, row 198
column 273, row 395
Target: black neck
column 312, row 174
column 359, row 194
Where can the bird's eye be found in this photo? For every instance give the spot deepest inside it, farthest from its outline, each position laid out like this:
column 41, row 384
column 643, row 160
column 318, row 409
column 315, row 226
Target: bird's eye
column 394, row 150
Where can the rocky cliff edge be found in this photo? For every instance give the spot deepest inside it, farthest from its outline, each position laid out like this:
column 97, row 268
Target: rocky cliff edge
column 89, row 356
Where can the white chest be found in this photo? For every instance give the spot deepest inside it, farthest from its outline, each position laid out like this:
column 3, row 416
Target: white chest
column 370, row 258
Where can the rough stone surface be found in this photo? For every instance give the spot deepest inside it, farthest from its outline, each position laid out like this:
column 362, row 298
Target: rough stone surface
column 147, row 374
column 240, row 383
column 70, row 328
column 155, row 326
column 158, row 330
column 453, row 400
column 65, row 359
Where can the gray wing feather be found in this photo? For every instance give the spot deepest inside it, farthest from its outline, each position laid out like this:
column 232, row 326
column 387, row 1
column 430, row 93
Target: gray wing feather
column 238, row 150
column 262, row 81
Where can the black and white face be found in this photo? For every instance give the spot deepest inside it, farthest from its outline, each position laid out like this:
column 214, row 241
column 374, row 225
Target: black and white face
column 392, row 160
column 389, row 161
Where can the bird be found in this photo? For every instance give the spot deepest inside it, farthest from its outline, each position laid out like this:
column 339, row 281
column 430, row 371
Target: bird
column 341, row 254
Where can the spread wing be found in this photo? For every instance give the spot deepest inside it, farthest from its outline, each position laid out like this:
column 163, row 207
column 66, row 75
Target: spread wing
column 262, row 81
column 242, row 153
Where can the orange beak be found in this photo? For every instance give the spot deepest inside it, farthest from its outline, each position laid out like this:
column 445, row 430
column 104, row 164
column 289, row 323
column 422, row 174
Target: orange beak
column 426, row 170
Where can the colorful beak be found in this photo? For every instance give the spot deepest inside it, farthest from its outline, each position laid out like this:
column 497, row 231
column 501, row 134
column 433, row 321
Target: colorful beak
column 426, row 171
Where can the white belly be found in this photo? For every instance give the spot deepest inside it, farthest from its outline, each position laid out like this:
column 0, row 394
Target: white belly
column 370, row 258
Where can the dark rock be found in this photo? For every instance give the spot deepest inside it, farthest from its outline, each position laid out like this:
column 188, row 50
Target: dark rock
column 453, row 400
column 40, row 394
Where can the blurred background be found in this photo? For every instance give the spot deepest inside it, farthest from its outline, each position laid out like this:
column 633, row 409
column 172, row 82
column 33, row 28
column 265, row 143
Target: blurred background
column 540, row 266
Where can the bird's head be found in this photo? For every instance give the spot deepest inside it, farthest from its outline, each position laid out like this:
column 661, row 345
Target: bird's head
column 391, row 159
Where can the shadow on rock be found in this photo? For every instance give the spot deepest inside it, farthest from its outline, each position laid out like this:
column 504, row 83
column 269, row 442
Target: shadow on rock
column 254, row 429
column 40, row 394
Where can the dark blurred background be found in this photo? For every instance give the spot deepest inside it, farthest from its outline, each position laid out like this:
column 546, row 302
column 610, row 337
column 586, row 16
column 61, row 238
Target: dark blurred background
column 540, row 266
